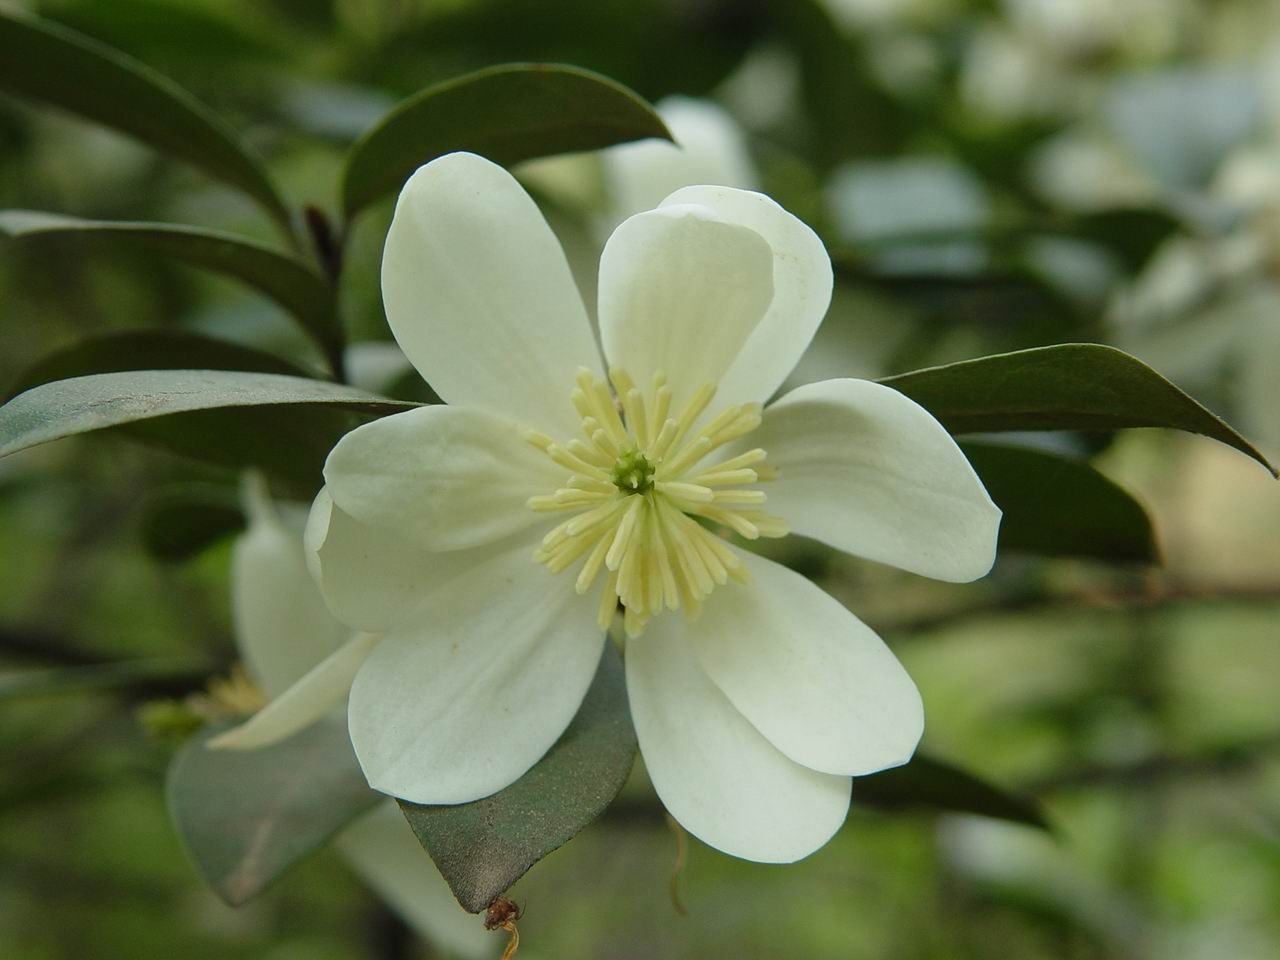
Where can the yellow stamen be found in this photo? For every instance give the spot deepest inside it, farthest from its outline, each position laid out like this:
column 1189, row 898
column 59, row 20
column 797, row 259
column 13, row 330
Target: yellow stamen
column 635, row 486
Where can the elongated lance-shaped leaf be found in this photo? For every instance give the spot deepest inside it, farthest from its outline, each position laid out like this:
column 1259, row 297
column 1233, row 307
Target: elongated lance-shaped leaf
column 507, row 113
column 46, row 62
column 281, row 276
column 83, row 404
column 136, row 676
column 247, row 816
column 1055, row 506
column 1073, row 386
column 148, row 349
column 284, row 425
column 485, row 846
column 931, row 784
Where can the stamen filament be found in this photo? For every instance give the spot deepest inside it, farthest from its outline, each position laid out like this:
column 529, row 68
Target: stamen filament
column 726, row 477
column 620, row 539
column 634, row 489
column 692, row 492
column 739, row 496
column 566, row 459
column 589, row 454
column 633, row 404
column 594, row 562
column 686, row 458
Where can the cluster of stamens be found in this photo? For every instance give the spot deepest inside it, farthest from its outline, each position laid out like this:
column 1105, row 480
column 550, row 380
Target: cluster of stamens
column 637, row 483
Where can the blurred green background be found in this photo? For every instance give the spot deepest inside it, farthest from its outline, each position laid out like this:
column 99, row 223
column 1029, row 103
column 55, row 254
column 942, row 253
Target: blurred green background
column 988, row 176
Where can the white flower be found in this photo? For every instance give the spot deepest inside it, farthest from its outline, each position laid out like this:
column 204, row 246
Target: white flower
column 709, row 148
column 283, row 629
column 491, row 539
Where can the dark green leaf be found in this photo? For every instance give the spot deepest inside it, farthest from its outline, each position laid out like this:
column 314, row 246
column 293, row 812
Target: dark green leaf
column 1010, row 307
column 278, row 275
column 247, row 816
column 1132, row 233
column 148, row 350
column 192, row 37
column 1074, row 386
column 146, row 676
column 1059, row 507
column 932, row 784
column 837, row 84
column 483, row 847
column 41, row 60
column 179, row 522
column 284, row 425
column 507, row 113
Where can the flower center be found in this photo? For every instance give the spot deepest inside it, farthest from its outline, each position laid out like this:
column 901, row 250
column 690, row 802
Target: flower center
column 632, row 473
column 642, row 493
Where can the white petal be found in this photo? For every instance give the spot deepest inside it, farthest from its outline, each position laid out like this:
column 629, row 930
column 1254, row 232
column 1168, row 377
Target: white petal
column 680, row 292
column 801, row 290
column 871, row 472
column 375, row 365
column 382, row 849
column 716, row 774
column 461, row 700
column 372, row 577
column 479, row 295
column 444, row 477
column 324, row 687
column 808, row 674
column 709, row 148
column 282, row 625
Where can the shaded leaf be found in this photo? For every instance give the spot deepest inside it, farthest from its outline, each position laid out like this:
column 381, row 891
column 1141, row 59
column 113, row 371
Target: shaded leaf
column 507, row 113
column 1059, row 507
column 186, row 35
column 1132, row 233
column 148, row 350
column 1012, row 306
column 654, row 46
column 483, row 847
column 932, row 784
column 179, row 522
column 150, row 677
column 231, row 418
column 50, row 63
column 247, row 816
column 282, row 277
column 837, row 84
column 1073, row 386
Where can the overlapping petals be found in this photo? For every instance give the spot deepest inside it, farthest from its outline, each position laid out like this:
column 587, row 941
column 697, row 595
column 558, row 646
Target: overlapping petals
column 709, row 148
column 479, row 295
column 753, row 717
column 280, row 622
column 322, row 688
column 812, row 678
column 716, row 773
column 801, row 289
column 371, row 577
column 680, row 292
column 460, row 701
column 286, row 634
column 446, row 478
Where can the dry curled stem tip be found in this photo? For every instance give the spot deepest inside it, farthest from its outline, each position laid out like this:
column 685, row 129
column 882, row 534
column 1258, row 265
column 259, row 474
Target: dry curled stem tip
column 502, row 914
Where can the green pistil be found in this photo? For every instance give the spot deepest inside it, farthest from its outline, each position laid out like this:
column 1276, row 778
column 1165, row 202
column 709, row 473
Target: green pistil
column 633, row 473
